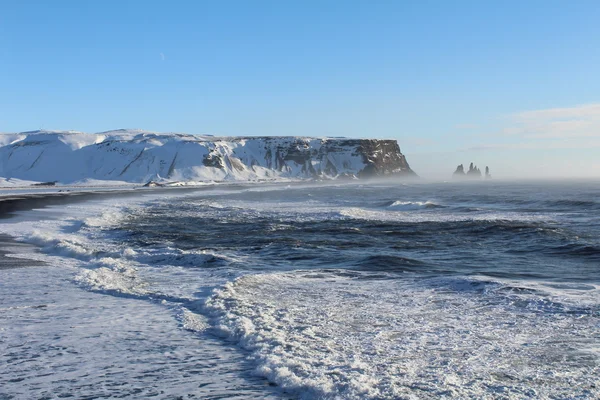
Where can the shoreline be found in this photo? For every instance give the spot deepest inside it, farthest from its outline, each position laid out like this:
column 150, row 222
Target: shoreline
column 42, row 308
column 12, row 204
column 7, row 246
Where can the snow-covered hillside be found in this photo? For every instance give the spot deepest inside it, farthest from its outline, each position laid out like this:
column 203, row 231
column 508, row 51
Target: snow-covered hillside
column 139, row 157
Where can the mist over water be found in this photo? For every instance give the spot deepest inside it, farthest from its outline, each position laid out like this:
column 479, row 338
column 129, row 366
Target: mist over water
column 372, row 290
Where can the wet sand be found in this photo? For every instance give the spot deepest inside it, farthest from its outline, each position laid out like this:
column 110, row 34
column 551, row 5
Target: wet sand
column 9, row 204
column 12, row 204
column 8, row 246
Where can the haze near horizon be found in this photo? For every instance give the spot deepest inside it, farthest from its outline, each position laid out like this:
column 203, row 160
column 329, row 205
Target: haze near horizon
column 507, row 84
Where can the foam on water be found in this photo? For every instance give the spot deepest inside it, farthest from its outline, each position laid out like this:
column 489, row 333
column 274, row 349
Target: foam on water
column 412, row 205
column 86, row 238
column 78, row 239
column 388, row 326
column 416, row 217
column 142, row 340
column 311, row 209
column 58, row 341
column 334, row 334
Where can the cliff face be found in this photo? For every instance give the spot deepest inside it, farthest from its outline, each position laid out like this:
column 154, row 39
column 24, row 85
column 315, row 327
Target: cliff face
column 137, row 156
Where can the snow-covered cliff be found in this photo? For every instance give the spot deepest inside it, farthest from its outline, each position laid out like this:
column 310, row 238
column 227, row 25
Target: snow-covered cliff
column 138, row 157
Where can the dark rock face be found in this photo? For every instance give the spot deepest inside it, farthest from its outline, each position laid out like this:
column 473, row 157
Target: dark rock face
column 213, row 160
column 382, row 157
column 317, row 158
column 487, row 173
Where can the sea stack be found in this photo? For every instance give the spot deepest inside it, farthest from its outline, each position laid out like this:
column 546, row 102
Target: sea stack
column 487, row 173
column 460, row 172
column 473, row 173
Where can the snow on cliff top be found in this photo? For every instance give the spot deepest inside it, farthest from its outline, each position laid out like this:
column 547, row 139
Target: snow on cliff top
column 139, row 156
column 127, row 134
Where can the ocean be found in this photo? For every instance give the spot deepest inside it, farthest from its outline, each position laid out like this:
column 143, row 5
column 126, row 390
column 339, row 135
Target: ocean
column 369, row 290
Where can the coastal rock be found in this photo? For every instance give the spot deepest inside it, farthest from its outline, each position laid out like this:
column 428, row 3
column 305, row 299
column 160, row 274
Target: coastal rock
column 487, row 173
column 459, row 172
column 472, row 173
column 145, row 157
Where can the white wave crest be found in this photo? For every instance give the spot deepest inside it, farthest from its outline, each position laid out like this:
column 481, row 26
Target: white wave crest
column 412, row 205
column 380, row 215
column 112, row 275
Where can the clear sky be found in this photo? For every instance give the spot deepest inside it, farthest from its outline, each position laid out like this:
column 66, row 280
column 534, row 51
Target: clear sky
column 510, row 84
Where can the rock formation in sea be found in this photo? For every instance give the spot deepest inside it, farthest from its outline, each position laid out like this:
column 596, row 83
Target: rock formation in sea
column 473, row 173
column 487, row 173
column 140, row 157
column 460, row 172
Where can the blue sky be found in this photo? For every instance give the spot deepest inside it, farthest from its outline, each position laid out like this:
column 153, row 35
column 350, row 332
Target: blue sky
column 510, row 84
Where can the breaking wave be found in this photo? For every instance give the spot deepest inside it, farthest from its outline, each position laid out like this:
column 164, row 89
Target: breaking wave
column 411, row 205
column 331, row 335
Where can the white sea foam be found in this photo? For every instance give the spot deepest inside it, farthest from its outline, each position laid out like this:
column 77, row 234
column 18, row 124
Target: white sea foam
column 59, row 341
column 324, row 334
column 81, row 236
column 412, row 205
column 341, row 335
column 113, row 275
column 76, row 236
column 377, row 215
column 95, row 345
column 311, row 210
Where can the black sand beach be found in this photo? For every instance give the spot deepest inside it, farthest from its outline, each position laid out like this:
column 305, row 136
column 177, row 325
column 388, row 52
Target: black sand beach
column 7, row 246
column 12, row 204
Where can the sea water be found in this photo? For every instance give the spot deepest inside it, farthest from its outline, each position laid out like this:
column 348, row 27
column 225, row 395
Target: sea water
column 358, row 290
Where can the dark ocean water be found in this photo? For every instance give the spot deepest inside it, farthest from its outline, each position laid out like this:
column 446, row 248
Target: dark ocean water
column 390, row 290
column 528, row 231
